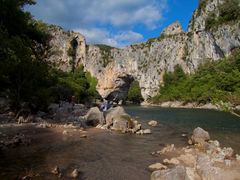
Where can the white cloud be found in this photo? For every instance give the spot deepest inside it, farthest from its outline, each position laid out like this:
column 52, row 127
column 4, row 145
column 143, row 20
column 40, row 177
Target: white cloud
column 102, row 36
column 96, row 15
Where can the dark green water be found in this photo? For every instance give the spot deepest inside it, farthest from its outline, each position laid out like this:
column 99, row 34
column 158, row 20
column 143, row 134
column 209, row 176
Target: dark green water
column 222, row 126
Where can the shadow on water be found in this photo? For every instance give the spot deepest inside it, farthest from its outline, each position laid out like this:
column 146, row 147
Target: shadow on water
column 110, row 155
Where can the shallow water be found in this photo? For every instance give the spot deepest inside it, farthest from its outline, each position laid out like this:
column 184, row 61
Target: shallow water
column 110, row 155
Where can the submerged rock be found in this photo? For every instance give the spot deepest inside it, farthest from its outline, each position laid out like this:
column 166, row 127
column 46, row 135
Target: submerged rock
column 152, row 123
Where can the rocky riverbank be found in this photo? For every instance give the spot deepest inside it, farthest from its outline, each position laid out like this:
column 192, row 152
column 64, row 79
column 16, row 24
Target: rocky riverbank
column 221, row 106
column 202, row 159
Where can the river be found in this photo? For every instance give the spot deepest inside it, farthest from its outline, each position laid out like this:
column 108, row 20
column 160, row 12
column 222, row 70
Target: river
column 107, row 155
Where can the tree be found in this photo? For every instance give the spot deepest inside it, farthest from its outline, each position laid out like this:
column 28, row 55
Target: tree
column 134, row 93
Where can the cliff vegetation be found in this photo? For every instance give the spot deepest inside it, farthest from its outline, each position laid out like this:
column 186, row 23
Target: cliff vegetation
column 25, row 75
column 212, row 82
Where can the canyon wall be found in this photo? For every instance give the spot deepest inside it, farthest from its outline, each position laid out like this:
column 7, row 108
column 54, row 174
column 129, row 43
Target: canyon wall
column 147, row 62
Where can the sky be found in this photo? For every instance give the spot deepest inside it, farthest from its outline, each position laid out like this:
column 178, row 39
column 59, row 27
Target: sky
column 114, row 22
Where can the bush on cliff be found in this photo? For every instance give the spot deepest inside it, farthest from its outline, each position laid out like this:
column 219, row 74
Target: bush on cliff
column 212, row 82
column 229, row 12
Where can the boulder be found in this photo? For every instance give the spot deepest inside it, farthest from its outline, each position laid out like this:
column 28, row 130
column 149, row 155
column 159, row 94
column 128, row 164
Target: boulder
column 119, row 119
column 200, row 136
column 192, row 174
column 156, row 166
column 152, row 123
column 178, row 173
column 187, row 159
column 205, row 168
column 120, row 124
column 94, row 116
column 114, row 114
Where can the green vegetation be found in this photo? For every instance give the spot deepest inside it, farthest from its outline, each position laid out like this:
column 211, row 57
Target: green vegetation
column 25, row 76
column 229, row 12
column 215, row 82
column 134, row 93
column 79, row 84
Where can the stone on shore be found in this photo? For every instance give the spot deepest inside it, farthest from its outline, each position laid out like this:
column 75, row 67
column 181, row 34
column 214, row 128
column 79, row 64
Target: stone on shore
column 237, row 157
column 152, row 123
column 94, row 116
column 173, row 161
column 142, row 132
column 205, row 168
column 168, row 148
column 200, row 136
column 156, row 166
column 187, row 159
column 75, row 173
column 115, row 114
column 56, row 170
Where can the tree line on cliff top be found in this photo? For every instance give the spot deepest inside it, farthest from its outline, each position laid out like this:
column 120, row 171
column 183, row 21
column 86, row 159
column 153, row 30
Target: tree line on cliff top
column 25, row 76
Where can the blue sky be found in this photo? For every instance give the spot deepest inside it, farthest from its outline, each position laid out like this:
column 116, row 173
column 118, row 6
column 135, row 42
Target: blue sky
column 114, row 22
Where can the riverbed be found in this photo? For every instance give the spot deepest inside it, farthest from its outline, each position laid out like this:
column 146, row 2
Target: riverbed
column 112, row 155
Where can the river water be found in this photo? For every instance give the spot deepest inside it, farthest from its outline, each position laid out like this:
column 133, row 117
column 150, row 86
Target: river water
column 107, row 155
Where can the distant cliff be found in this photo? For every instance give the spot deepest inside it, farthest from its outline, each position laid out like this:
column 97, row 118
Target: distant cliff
column 207, row 38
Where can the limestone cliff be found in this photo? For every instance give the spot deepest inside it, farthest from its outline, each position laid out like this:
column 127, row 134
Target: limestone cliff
column 147, row 62
column 60, row 53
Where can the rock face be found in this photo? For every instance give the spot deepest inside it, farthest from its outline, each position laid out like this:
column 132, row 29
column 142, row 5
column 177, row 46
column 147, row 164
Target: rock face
column 173, row 29
column 147, row 62
column 61, row 51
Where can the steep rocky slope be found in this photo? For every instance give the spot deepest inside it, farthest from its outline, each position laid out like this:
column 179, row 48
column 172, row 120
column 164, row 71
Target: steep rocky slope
column 147, row 62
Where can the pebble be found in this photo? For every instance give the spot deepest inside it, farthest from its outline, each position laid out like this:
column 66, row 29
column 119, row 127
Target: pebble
column 227, row 162
column 237, row 157
column 75, row 173
column 56, row 170
column 83, row 136
column 156, row 166
column 65, row 132
column 173, row 161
